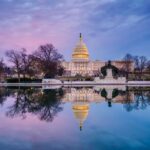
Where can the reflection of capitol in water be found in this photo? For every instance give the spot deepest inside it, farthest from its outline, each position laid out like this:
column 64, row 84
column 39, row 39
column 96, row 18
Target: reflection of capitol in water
column 82, row 97
column 80, row 110
column 81, row 94
column 88, row 95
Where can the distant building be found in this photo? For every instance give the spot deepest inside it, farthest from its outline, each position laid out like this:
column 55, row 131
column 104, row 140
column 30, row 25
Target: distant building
column 81, row 64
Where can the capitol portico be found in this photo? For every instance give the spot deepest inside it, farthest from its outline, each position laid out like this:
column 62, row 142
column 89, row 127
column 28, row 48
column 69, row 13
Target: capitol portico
column 81, row 63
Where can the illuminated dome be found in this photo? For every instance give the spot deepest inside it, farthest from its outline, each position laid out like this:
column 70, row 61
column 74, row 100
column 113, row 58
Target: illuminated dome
column 80, row 52
column 80, row 112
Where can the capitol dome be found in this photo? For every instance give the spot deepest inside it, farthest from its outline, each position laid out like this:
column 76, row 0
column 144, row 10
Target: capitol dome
column 80, row 52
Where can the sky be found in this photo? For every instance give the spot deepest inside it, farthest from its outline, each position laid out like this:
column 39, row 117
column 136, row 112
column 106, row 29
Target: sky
column 110, row 28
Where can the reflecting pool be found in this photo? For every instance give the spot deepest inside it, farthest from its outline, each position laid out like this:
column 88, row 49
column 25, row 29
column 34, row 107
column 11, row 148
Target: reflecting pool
column 74, row 118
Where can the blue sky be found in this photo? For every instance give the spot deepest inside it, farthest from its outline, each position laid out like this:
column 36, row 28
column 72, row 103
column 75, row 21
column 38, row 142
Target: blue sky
column 110, row 28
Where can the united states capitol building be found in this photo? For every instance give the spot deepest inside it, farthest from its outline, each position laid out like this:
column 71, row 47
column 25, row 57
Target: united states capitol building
column 82, row 65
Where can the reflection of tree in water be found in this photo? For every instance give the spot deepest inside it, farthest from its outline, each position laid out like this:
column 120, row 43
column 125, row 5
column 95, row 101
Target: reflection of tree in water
column 46, row 104
column 23, row 102
column 3, row 95
column 141, row 100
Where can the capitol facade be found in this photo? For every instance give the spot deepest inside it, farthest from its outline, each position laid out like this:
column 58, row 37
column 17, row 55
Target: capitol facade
column 82, row 65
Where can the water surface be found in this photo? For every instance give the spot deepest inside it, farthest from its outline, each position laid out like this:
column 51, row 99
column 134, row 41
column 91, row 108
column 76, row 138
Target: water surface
column 75, row 118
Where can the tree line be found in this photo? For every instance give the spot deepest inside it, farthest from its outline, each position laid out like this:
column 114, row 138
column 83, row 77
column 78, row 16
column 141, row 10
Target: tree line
column 141, row 65
column 45, row 61
column 46, row 105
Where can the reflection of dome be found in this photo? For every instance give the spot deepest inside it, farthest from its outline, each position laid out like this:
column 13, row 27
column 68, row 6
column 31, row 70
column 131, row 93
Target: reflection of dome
column 80, row 112
column 80, row 51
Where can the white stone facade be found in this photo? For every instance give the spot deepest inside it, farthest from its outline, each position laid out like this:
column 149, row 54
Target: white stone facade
column 84, row 68
column 89, row 68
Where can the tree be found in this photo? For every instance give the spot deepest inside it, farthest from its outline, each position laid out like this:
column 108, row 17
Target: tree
column 26, row 64
column 15, row 57
column 49, row 60
column 127, row 66
column 2, row 68
column 142, row 63
column 137, row 63
column 148, row 65
column 61, row 70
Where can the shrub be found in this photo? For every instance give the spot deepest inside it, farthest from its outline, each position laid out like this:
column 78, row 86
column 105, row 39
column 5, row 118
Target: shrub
column 23, row 80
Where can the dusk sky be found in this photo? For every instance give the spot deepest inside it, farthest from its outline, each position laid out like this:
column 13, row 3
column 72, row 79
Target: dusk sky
column 110, row 28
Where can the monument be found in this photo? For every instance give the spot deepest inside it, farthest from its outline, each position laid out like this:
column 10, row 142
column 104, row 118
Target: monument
column 109, row 79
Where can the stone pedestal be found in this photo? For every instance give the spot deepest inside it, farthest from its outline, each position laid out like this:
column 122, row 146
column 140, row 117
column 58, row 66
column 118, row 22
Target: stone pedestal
column 109, row 74
column 109, row 79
